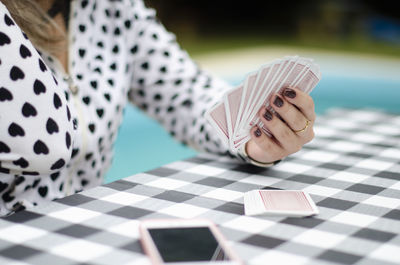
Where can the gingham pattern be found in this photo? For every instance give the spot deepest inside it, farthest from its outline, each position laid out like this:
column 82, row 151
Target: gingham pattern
column 351, row 169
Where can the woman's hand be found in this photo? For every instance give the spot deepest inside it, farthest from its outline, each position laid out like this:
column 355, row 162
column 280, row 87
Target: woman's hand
column 290, row 130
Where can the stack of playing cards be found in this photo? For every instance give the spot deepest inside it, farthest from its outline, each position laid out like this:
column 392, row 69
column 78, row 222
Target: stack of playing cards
column 236, row 113
column 279, row 202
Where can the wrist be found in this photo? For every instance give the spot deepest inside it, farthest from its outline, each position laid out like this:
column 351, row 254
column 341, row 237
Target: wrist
column 245, row 156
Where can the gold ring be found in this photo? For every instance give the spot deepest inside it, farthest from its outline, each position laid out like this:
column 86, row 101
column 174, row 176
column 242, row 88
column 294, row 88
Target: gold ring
column 305, row 127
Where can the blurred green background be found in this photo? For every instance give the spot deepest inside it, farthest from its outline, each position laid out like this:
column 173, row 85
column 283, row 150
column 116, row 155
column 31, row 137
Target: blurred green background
column 363, row 26
column 356, row 43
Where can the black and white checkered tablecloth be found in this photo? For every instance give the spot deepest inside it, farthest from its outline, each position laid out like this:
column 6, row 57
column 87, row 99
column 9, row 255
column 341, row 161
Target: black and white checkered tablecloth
column 351, row 169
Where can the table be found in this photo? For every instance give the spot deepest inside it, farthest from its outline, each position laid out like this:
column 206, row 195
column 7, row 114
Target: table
column 351, row 169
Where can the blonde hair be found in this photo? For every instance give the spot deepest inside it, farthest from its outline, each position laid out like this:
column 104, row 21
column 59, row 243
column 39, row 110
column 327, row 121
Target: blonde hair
column 37, row 25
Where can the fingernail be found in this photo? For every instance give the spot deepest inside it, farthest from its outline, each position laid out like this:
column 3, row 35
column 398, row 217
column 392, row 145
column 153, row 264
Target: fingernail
column 257, row 132
column 268, row 115
column 278, row 102
column 290, row 93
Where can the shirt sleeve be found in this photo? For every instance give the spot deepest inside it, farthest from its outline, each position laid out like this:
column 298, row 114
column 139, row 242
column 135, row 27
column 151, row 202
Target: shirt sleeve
column 35, row 122
column 168, row 85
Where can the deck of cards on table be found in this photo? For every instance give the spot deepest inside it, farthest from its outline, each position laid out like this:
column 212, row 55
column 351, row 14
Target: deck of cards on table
column 236, row 113
column 279, row 202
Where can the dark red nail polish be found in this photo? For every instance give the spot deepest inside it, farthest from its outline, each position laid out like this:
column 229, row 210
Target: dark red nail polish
column 257, row 132
column 278, row 102
column 268, row 115
column 290, row 93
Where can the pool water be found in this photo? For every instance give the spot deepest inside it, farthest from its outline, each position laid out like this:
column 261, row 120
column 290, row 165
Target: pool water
column 143, row 144
column 342, row 91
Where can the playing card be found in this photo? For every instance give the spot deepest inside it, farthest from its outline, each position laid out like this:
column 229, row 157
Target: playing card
column 263, row 83
column 216, row 116
column 288, row 78
column 237, row 112
column 264, row 72
column 283, row 75
column 232, row 103
column 262, row 91
column 248, row 88
column 310, row 79
column 279, row 202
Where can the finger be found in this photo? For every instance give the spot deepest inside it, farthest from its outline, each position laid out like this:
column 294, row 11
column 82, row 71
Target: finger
column 284, row 135
column 293, row 117
column 302, row 101
column 263, row 148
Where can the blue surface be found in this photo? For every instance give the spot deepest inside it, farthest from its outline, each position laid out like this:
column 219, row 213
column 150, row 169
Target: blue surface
column 143, row 144
column 339, row 91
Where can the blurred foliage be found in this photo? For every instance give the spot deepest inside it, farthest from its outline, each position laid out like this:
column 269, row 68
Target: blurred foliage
column 361, row 26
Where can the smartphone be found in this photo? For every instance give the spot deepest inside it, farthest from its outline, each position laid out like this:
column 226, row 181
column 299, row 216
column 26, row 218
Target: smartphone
column 185, row 242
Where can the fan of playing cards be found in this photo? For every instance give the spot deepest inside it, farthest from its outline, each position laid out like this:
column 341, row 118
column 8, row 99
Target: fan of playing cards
column 236, row 113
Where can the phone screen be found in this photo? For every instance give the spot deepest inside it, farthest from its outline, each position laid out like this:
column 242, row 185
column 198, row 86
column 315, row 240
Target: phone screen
column 187, row 244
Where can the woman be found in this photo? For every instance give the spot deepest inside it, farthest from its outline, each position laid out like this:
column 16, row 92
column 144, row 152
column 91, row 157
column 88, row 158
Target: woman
column 66, row 80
